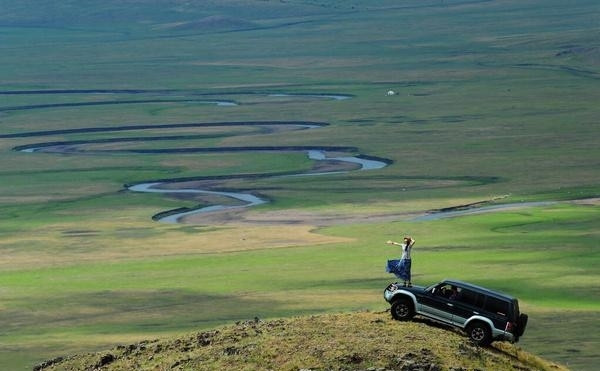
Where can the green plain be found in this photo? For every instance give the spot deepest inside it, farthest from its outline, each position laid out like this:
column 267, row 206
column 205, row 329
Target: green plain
column 495, row 100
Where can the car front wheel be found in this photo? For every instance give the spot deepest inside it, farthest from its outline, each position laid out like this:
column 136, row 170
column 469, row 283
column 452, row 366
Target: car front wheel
column 402, row 309
column 479, row 333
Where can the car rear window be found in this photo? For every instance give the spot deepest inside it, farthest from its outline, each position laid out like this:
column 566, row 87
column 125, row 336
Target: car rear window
column 496, row 306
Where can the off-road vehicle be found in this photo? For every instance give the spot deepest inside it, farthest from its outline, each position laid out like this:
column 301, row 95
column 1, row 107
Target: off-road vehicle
column 485, row 315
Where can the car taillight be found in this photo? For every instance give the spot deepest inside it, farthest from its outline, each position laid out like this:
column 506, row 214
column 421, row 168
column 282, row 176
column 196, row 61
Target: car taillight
column 510, row 327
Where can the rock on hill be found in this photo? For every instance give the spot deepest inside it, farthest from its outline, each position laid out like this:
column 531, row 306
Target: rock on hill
column 352, row 341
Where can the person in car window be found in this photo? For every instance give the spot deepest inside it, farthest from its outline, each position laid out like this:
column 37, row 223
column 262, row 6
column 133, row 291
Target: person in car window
column 454, row 295
column 401, row 268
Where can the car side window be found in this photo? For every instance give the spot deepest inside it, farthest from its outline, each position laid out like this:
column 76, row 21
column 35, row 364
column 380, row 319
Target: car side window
column 466, row 296
column 444, row 290
column 496, row 306
column 480, row 300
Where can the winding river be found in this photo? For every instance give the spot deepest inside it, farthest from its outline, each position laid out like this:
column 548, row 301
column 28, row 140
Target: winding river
column 174, row 96
column 242, row 199
column 246, row 199
column 455, row 212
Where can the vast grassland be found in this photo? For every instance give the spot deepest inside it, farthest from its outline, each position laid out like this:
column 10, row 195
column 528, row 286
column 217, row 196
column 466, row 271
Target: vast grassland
column 495, row 101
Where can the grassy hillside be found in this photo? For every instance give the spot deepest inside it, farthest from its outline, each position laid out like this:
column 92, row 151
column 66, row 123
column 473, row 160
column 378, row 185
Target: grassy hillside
column 357, row 341
column 496, row 103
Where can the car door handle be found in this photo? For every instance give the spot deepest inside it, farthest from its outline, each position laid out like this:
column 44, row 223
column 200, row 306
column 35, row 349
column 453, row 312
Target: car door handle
column 450, row 304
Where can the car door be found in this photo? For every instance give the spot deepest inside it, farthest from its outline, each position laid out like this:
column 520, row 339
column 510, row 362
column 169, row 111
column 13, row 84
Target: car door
column 435, row 304
column 498, row 311
column 466, row 304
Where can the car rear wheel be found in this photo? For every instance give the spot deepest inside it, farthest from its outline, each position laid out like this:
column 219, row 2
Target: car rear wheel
column 479, row 333
column 402, row 309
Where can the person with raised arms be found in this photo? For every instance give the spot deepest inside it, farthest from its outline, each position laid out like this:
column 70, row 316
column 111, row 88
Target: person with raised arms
column 401, row 267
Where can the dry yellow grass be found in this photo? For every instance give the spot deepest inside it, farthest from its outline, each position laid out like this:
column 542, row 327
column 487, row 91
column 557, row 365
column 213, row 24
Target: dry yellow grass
column 114, row 240
column 351, row 341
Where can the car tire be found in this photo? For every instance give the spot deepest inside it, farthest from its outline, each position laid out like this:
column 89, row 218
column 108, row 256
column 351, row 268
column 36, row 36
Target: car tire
column 522, row 324
column 402, row 309
column 479, row 333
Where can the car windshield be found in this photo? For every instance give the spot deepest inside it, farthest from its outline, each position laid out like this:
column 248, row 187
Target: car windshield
column 431, row 287
column 437, row 288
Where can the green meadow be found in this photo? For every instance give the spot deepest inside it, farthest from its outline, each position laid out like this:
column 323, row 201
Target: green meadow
column 495, row 102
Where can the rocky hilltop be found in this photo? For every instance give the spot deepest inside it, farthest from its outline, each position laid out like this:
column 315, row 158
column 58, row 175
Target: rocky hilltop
column 351, row 341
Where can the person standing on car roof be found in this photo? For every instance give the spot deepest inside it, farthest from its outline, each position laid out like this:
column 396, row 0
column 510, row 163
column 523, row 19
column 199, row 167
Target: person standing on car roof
column 401, row 268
